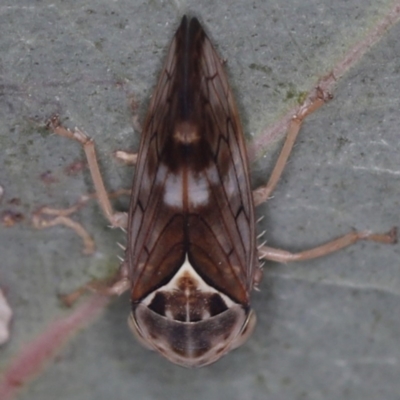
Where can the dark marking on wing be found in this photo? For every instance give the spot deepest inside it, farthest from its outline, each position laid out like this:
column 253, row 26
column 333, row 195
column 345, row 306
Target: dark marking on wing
column 191, row 192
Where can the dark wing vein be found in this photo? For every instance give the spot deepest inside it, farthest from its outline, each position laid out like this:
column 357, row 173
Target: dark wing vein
column 192, row 102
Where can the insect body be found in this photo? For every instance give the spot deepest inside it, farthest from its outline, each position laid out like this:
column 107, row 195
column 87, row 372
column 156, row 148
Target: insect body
column 191, row 259
column 191, row 251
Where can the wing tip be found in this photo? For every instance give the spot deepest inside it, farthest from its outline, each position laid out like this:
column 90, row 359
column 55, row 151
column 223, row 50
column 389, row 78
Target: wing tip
column 190, row 22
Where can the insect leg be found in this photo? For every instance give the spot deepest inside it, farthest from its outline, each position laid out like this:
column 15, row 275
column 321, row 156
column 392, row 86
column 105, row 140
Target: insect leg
column 61, row 218
column 312, row 103
column 117, row 220
column 109, row 287
column 127, row 157
column 269, row 253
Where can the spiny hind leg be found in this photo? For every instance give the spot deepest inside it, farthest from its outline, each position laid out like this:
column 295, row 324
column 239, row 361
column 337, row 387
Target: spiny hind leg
column 278, row 255
column 260, row 195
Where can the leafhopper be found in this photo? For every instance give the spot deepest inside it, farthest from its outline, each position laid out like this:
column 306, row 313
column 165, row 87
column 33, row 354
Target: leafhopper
column 192, row 260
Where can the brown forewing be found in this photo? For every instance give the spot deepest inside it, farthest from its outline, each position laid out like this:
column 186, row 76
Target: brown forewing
column 191, row 193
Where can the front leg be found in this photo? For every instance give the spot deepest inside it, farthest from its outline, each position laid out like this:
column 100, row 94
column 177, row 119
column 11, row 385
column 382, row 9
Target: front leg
column 127, row 157
column 116, row 219
column 41, row 218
